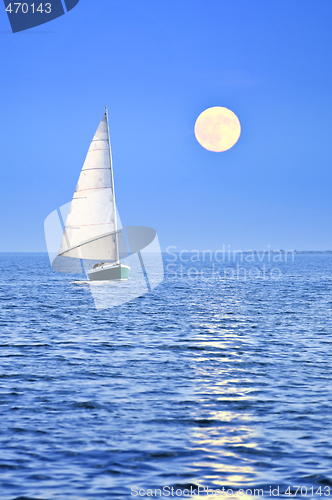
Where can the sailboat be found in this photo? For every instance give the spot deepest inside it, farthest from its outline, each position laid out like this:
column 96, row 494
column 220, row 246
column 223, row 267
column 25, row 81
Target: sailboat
column 91, row 229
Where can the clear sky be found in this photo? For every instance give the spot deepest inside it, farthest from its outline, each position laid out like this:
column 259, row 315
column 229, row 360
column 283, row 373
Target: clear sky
column 157, row 65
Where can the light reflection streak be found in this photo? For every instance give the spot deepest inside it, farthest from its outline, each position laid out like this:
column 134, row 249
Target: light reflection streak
column 226, row 441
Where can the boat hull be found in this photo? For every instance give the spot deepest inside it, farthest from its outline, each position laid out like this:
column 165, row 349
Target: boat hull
column 107, row 273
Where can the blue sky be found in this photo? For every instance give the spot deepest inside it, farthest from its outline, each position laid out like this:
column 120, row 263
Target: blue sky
column 157, row 65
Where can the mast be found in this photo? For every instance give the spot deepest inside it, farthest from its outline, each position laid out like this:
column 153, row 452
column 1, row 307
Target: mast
column 114, row 207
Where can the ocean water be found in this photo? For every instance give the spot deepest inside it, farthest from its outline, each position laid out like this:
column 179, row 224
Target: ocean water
column 209, row 380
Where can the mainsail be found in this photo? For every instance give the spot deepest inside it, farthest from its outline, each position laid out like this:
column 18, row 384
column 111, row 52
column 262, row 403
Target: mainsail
column 91, row 227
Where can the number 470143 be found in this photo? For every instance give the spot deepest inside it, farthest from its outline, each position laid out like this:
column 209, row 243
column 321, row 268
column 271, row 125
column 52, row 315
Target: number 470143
column 24, row 7
column 304, row 491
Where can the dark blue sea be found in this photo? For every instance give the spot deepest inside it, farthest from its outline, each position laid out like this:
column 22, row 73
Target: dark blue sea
column 212, row 380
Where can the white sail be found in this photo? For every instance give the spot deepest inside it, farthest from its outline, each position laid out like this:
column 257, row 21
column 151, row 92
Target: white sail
column 90, row 229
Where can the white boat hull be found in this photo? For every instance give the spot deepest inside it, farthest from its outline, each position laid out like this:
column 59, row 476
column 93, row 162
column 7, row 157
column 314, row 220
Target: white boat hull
column 107, row 272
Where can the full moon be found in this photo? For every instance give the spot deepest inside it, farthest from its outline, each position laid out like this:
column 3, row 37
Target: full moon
column 217, row 129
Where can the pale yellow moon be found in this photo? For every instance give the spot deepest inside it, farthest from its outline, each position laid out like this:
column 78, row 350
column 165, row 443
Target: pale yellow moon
column 217, row 129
